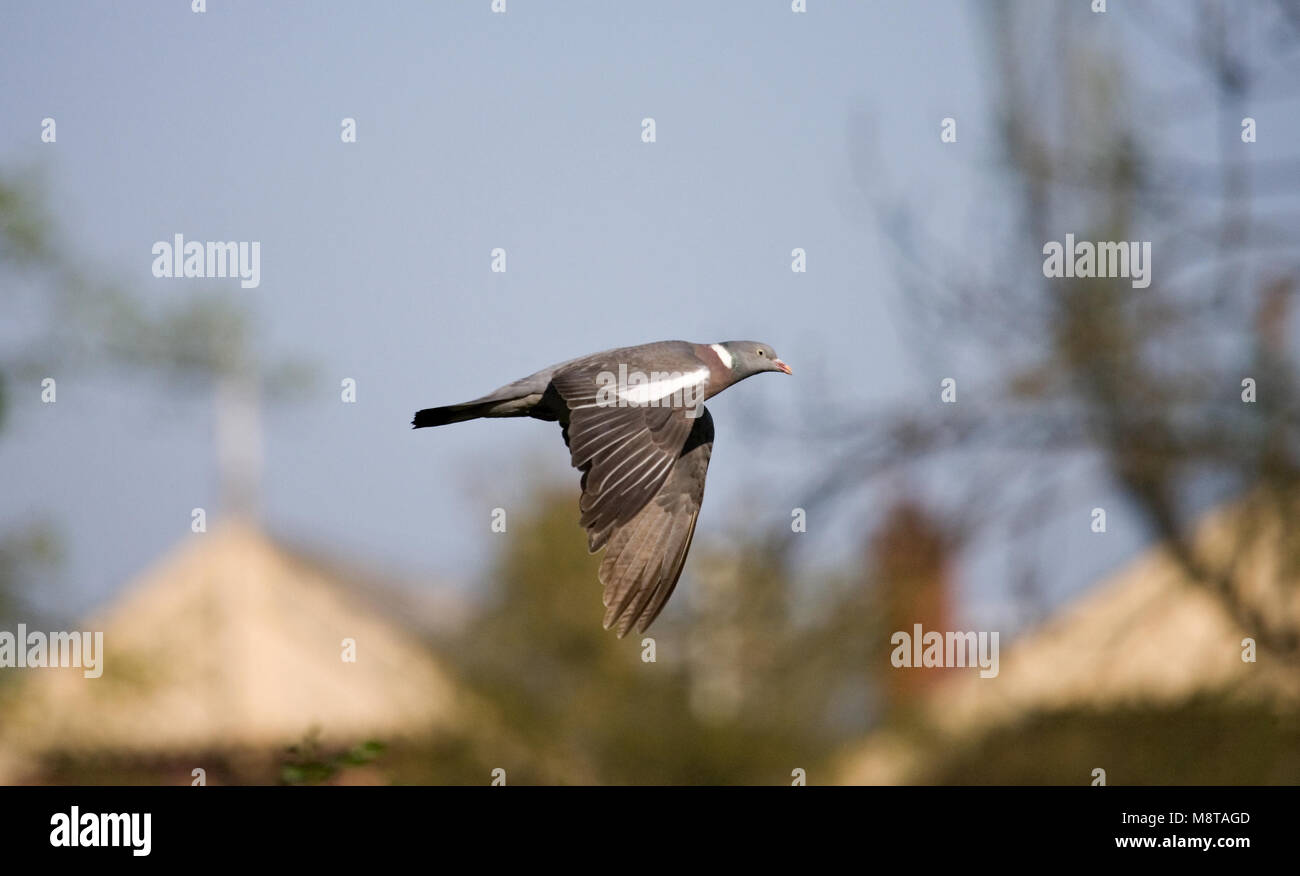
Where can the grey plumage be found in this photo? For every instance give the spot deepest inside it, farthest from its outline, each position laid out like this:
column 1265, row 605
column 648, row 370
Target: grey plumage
column 643, row 465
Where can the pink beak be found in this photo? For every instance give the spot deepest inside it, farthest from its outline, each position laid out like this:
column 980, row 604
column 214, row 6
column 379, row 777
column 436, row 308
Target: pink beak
column 784, row 367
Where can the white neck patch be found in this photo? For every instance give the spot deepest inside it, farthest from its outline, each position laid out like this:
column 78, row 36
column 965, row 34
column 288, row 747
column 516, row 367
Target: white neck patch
column 722, row 354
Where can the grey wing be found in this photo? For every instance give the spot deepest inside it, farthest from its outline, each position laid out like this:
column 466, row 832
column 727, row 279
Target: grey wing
column 625, row 454
column 645, row 556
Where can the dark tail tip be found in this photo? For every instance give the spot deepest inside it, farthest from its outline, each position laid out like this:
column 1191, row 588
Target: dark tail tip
column 444, row 415
column 429, row 417
column 452, row 413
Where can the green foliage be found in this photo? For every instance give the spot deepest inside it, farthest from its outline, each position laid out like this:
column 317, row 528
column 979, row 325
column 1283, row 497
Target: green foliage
column 24, row 227
column 309, row 764
column 1212, row 740
column 737, row 693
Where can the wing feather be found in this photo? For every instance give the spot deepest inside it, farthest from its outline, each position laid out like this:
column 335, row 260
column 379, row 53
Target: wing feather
column 643, row 470
column 644, row 557
column 624, row 452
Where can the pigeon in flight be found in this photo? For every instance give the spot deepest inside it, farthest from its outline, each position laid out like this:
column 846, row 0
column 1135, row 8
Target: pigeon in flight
column 635, row 424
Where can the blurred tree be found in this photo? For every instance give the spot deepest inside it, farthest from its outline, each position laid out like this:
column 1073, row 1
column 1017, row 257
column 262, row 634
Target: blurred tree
column 24, row 248
column 737, row 692
column 1139, row 388
column 60, row 320
column 1209, row 740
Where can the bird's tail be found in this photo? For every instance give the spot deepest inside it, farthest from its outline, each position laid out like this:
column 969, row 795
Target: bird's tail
column 452, row 414
column 523, row 398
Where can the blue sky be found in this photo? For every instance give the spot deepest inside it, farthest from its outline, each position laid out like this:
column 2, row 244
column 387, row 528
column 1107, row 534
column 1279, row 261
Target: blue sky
column 475, row 131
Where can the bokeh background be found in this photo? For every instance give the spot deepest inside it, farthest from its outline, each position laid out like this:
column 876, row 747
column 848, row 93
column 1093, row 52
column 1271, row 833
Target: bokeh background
column 478, row 650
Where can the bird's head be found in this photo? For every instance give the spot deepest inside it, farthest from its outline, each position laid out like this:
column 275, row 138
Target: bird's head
column 751, row 357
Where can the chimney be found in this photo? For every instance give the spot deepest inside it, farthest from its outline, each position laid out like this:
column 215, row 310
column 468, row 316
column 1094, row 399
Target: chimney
column 909, row 557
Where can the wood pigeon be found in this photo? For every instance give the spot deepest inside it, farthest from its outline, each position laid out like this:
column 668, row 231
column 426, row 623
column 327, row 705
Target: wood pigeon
column 634, row 422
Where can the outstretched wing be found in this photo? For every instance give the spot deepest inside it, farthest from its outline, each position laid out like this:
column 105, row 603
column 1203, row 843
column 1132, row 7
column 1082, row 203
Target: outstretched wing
column 625, row 452
column 645, row 555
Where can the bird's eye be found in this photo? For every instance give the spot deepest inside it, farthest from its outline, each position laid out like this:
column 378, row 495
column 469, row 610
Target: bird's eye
column 761, row 353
